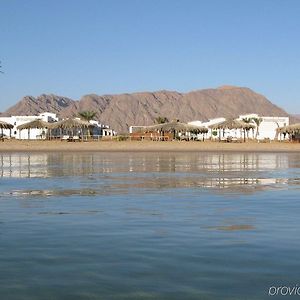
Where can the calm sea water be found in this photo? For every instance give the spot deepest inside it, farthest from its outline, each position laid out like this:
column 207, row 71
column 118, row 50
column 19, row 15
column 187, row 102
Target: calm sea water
column 148, row 226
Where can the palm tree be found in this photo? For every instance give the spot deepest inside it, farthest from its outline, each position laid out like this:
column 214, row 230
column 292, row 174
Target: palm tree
column 161, row 120
column 257, row 122
column 87, row 115
column 248, row 121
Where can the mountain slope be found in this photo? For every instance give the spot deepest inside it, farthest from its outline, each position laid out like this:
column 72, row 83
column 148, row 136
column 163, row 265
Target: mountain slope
column 121, row 111
column 45, row 103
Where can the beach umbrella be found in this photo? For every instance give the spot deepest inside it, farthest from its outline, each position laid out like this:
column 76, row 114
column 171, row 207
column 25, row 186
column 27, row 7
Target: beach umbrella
column 290, row 129
column 197, row 129
column 39, row 124
column 282, row 130
column 233, row 124
column 35, row 124
column 294, row 128
column 4, row 125
column 175, row 126
column 71, row 124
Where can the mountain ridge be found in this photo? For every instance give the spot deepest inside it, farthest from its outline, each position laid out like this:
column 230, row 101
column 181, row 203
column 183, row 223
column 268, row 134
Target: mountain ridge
column 141, row 108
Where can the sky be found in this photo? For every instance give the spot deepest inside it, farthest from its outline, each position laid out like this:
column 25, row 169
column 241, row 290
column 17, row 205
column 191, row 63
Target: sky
column 73, row 48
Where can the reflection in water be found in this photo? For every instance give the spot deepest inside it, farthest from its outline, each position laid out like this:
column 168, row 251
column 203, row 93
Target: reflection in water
column 51, row 165
column 235, row 172
column 147, row 225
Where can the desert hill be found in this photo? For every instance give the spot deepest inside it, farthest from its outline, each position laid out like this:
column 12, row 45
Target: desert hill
column 121, row 111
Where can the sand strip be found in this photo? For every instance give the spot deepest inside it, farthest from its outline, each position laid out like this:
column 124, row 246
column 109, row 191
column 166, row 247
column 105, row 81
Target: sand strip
column 145, row 146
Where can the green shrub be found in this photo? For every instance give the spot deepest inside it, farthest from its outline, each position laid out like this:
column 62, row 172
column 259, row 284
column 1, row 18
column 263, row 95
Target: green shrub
column 122, row 138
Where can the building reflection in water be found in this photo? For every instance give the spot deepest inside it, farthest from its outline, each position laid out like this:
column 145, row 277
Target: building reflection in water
column 162, row 170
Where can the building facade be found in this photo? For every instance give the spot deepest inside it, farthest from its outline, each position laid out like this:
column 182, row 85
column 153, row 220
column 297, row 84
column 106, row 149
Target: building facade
column 97, row 130
column 266, row 129
column 33, row 134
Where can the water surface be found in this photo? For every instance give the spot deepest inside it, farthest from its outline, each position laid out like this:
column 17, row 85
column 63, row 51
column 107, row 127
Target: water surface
column 148, row 226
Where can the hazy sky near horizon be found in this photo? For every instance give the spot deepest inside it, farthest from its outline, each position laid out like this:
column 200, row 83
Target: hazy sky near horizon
column 73, row 48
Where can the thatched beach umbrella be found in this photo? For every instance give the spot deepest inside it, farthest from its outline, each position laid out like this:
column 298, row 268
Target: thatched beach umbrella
column 281, row 131
column 4, row 125
column 36, row 124
column 171, row 126
column 290, row 129
column 175, row 126
column 71, row 124
column 295, row 128
column 233, row 124
column 197, row 129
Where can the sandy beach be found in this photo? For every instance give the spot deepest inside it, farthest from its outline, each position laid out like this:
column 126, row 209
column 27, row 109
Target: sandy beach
column 145, row 146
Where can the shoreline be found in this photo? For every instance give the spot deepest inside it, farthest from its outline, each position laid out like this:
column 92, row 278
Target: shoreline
column 145, row 146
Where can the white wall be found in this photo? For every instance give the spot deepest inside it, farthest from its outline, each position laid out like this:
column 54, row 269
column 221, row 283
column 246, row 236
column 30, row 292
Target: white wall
column 267, row 128
column 20, row 120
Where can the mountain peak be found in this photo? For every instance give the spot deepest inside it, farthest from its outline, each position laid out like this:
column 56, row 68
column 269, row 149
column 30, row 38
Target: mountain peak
column 228, row 87
column 122, row 110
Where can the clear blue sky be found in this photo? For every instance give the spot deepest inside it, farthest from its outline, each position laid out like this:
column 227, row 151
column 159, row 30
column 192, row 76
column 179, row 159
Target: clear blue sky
column 73, row 48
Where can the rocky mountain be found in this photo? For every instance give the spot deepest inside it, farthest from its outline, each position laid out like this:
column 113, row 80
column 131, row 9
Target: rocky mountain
column 121, row 111
column 31, row 106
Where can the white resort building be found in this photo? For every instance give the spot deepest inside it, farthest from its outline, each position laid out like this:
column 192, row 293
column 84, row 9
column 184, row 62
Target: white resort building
column 99, row 130
column 265, row 130
column 102, row 130
column 268, row 125
column 20, row 120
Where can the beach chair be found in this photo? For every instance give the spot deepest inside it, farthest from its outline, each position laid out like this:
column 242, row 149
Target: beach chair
column 75, row 138
column 65, row 138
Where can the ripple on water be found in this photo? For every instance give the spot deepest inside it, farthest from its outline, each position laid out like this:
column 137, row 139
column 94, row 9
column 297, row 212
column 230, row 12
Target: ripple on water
column 148, row 225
